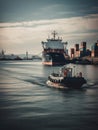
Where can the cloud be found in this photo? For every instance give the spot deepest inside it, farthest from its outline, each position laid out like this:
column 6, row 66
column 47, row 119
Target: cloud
column 21, row 36
column 22, row 10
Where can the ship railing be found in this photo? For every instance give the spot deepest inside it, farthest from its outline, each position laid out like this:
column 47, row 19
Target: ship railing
column 54, row 50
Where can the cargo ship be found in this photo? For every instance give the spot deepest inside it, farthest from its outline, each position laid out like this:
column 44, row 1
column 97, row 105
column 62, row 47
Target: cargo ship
column 54, row 51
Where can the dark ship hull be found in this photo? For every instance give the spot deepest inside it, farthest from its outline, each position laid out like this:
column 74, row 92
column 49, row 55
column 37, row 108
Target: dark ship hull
column 54, row 58
column 68, row 82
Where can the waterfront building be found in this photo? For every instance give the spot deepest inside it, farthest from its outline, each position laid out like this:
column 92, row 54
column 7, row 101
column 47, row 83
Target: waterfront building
column 4, row 56
column 10, row 57
column 94, row 49
column 88, row 52
column 83, row 49
column 72, row 52
column 83, row 46
column 77, row 52
column 76, row 47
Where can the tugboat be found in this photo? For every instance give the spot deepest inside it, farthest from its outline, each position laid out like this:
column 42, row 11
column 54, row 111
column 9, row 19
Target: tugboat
column 64, row 79
column 54, row 51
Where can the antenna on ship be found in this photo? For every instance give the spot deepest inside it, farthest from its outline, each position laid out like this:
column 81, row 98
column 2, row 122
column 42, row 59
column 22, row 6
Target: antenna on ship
column 54, row 34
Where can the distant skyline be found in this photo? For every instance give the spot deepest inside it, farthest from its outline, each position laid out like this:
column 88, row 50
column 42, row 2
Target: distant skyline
column 25, row 23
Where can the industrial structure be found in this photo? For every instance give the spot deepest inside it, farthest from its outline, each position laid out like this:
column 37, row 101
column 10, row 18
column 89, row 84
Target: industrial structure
column 82, row 51
column 94, row 50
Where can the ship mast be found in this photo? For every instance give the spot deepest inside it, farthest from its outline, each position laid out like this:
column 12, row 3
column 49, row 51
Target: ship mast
column 54, row 34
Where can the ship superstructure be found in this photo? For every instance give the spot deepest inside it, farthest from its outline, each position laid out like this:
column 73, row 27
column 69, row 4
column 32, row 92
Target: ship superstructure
column 54, row 51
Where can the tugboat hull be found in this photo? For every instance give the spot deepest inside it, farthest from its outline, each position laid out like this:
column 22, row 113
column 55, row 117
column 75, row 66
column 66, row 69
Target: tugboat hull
column 65, row 79
column 55, row 85
column 74, row 82
column 71, row 82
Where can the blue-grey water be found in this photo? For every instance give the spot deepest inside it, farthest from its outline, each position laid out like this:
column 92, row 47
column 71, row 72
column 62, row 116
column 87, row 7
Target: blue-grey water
column 26, row 103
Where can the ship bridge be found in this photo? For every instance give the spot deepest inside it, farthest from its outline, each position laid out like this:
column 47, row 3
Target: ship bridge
column 54, row 43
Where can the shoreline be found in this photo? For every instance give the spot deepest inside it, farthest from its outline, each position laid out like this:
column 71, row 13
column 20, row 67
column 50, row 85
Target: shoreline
column 82, row 61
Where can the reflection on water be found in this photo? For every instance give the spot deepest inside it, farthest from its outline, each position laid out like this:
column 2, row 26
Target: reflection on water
column 27, row 103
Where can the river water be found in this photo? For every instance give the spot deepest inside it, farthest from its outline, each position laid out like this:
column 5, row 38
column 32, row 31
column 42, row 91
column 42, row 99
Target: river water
column 26, row 103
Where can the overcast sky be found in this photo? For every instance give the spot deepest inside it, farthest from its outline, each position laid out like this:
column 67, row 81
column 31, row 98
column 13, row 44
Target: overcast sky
column 25, row 23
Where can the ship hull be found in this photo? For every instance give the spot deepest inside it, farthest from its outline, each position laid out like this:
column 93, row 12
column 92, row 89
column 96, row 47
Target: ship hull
column 54, row 59
column 69, row 82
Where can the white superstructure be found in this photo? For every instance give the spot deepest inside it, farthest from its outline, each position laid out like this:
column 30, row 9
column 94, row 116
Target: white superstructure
column 54, row 43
